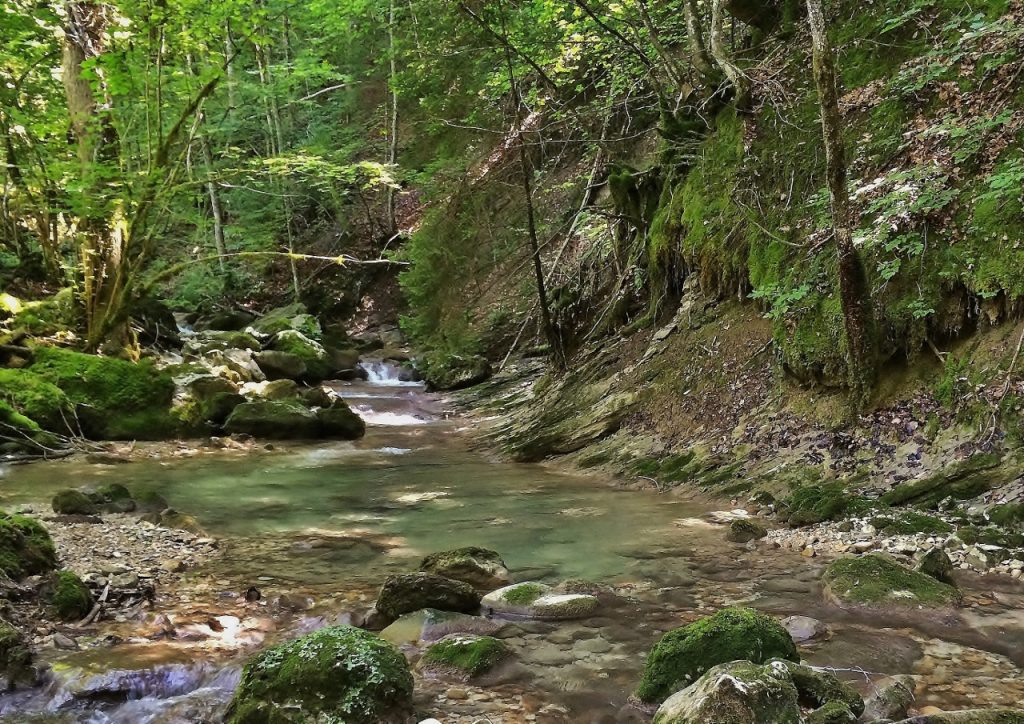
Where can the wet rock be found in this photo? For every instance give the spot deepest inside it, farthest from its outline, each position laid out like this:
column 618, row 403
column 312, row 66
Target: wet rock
column 463, row 655
column 936, row 563
column 817, row 688
column 804, row 628
column 68, row 597
column 340, row 673
column 732, row 634
column 481, row 568
column 293, row 316
column 277, row 420
column 314, row 357
column 113, row 498
column 26, row 548
column 539, row 601
column 339, row 422
column 891, row 699
column 16, row 660
column 454, row 372
column 229, row 320
column 409, row 592
column 878, row 580
column 738, row 692
column 835, row 712
column 744, row 530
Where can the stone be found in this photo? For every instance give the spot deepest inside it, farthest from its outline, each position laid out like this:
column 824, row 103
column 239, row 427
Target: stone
column 277, row 390
column 278, row 365
column 454, row 372
column 744, row 530
column 877, row 580
column 339, row 422
column 936, row 563
column 16, row 659
column 971, row 716
column 293, row 316
column 276, row 420
column 481, row 568
column 818, row 688
column 684, row 654
column 73, row 502
column 804, row 628
column 890, row 700
column 539, row 601
column 339, row 673
column 464, row 655
column 738, row 692
column 407, row 592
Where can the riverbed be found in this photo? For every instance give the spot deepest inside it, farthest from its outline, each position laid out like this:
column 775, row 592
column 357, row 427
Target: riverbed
column 316, row 529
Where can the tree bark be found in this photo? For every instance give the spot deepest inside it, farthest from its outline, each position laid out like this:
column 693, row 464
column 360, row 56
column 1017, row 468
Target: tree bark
column 393, row 129
column 740, row 82
column 698, row 50
column 852, row 284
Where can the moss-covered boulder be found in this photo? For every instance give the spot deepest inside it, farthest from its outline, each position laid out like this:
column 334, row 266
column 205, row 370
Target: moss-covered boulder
column 454, row 372
column 69, row 598
column 40, row 401
column 293, row 316
column 817, row 688
column 937, row 564
column 206, row 342
column 891, row 699
column 339, row 422
column 26, row 549
column 315, row 358
column 811, row 504
column 877, row 580
column 409, row 592
column 47, row 316
column 481, row 568
column 464, row 656
column 277, row 390
column 738, row 692
column 744, row 530
column 835, row 712
column 685, row 654
column 15, row 658
column 73, row 502
column 274, row 420
column 534, row 600
column 337, row 674
column 114, row 399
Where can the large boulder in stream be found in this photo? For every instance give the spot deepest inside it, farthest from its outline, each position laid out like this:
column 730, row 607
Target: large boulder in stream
column 878, row 581
column 336, row 674
column 454, row 372
column 738, row 692
column 338, row 422
column 409, row 592
column 293, row 316
column 278, row 365
column 292, row 420
column 684, row 654
column 317, row 362
column 481, row 568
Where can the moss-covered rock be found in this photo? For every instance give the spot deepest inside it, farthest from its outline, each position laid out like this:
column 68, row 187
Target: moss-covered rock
column 464, row 655
column 47, row 316
column 811, row 504
column 206, row 342
column 69, row 597
column 454, row 372
column 817, row 688
column 530, row 599
column 737, row 692
column 26, row 549
column 37, row 399
column 891, row 700
column 835, row 712
column 277, row 365
column 15, row 658
column 937, row 564
column 291, row 317
column 910, row 522
column 337, row 674
column 732, row 634
column 73, row 502
column 966, row 479
column 274, row 419
column 113, row 399
column 339, row 422
column 878, row 580
column 315, row 358
column 744, row 530
column 481, row 568
column 409, row 592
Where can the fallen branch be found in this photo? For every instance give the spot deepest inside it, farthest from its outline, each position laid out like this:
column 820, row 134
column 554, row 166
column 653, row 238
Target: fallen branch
column 94, row 614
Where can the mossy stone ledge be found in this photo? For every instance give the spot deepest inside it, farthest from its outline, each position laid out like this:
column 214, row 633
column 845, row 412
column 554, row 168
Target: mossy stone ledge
column 733, row 634
column 336, row 674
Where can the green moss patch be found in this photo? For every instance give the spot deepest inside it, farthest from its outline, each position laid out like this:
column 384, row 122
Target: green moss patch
column 70, row 598
column 732, row 634
column 114, row 399
column 26, row 549
column 35, row 398
column 337, row 674
column 472, row 655
column 967, row 479
column 524, row 594
column 879, row 580
column 910, row 522
column 817, row 503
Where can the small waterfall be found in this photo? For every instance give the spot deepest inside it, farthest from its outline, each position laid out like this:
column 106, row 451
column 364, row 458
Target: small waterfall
column 385, row 374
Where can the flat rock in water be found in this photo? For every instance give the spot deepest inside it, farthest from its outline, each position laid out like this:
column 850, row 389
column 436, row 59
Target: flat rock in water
column 804, row 628
column 537, row 600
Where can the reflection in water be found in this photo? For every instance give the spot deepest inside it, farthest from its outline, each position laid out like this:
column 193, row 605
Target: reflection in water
column 331, row 521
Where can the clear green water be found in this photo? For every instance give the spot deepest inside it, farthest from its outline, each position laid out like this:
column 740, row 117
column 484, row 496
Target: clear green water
column 333, row 520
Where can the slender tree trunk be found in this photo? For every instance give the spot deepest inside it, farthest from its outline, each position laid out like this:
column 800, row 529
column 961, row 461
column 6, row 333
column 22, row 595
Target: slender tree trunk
column 668, row 60
column 698, row 50
column 721, row 54
column 853, row 292
column 215, row 208
column 393, row 129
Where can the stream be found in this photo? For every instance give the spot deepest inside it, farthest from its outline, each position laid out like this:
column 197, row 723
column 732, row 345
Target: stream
column 317, row 528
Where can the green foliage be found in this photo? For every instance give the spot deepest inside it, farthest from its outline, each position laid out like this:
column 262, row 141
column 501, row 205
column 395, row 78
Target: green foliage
column 524, row 594
column 910, row 522
column 811, row 504
column 684, row 654
column 339, row 673
column 30, row 395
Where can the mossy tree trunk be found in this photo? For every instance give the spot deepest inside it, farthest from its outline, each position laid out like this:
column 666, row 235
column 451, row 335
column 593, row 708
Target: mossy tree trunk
column 853, row 293
column 698, row 50
column 737, row 78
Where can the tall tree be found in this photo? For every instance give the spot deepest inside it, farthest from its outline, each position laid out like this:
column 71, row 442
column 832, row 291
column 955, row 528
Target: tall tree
column 853, row 293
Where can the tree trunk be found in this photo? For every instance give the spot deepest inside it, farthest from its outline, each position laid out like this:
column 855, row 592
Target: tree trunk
column 393, row 129
column 740, row 82
column 698, row 50
column 853, row 292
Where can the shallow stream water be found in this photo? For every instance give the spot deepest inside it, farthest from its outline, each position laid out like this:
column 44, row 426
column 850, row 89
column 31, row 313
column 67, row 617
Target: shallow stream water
column 328, row 522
